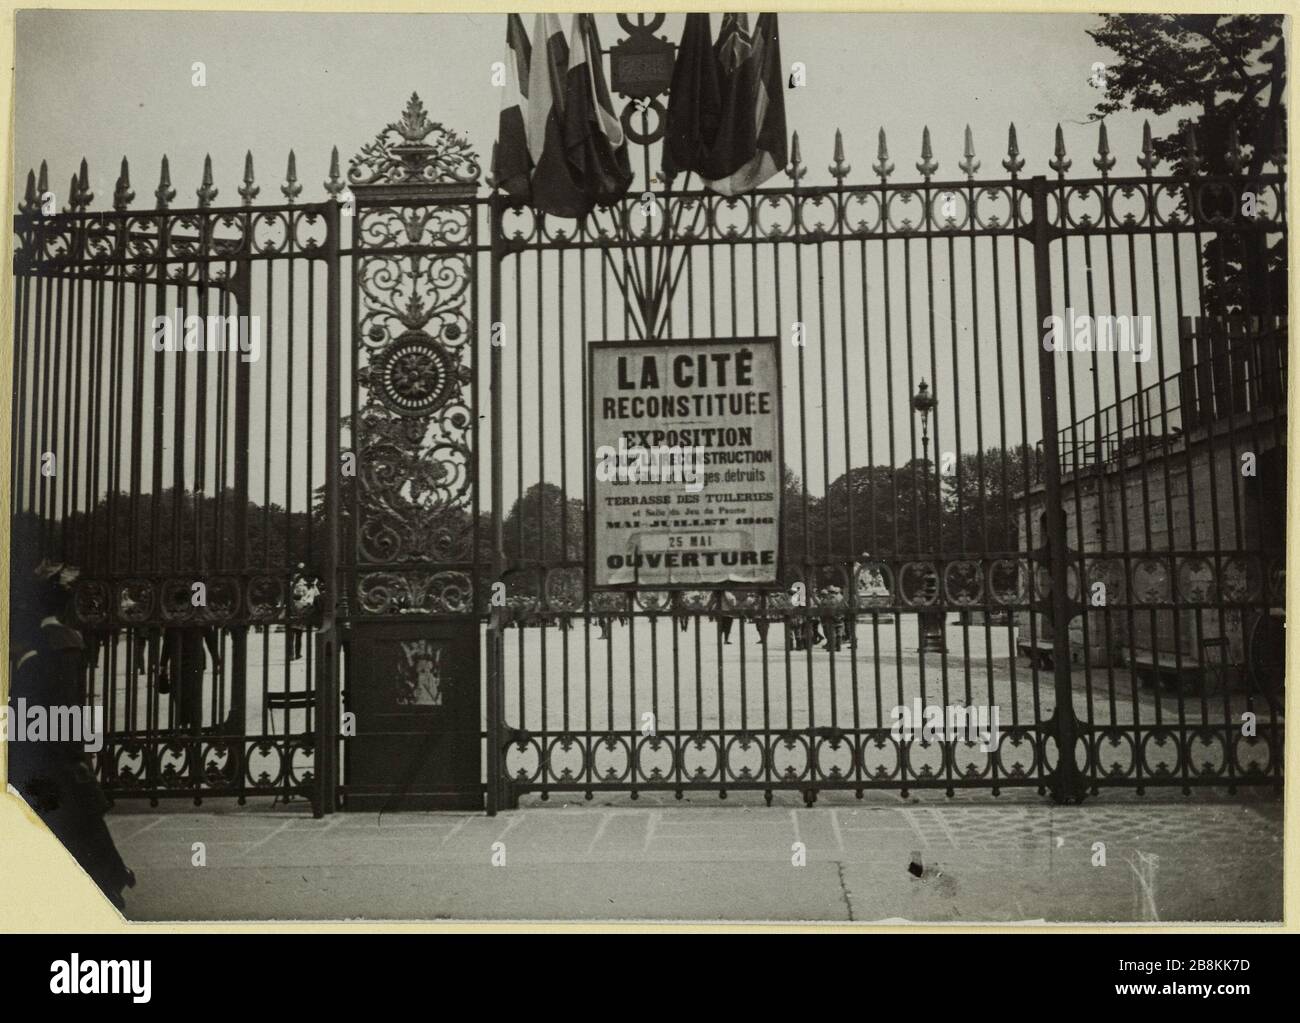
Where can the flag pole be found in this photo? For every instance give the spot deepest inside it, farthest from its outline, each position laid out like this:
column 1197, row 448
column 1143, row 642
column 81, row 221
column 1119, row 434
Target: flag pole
column 681, row 262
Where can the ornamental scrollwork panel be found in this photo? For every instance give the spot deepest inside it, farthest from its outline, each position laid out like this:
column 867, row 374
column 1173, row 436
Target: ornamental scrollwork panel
column 413, row 428
column 414, row 238
column 388, row 227
column 401, row 294
column 416, row 476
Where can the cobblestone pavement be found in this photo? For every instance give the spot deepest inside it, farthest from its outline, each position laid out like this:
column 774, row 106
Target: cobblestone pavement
column 1019, row 859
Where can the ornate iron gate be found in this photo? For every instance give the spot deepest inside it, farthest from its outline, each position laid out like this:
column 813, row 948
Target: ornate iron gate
column 927, row 297
column 165, row 444
column 971, row 520
column 415, row 569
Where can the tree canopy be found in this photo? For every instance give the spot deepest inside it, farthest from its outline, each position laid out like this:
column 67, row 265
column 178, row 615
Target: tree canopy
column 1227, row 75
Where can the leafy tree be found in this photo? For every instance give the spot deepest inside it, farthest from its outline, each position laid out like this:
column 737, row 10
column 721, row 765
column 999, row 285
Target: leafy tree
column 544, row 526
column 982, row 510
column 191, row 533
column 795, row 512
column 888, row 511
column 1228, row 72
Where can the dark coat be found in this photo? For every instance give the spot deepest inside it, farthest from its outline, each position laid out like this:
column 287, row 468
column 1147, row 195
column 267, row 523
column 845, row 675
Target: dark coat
column 56, row 778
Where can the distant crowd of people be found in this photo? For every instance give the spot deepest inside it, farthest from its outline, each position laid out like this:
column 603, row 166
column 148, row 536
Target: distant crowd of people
column 802, row 633
column 831, row 628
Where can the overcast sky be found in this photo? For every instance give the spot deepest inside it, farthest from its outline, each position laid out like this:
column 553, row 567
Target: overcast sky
column 105, row 84
column 108, row 84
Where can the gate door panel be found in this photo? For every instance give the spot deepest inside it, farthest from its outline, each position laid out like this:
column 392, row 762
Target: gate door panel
column 414, row 688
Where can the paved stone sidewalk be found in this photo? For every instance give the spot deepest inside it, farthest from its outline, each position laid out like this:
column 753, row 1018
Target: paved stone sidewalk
column 927, row 860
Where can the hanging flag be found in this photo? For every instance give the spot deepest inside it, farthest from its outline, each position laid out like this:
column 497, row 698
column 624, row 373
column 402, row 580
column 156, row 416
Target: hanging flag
column 555, row 189
column 594, row 138
column 545, row 69
column 694, row 100
column 750, row 145
column 733, row 143
column 512, row 163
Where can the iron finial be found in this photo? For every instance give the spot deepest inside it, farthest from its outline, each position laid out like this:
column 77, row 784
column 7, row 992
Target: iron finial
column 1148, row 160
column 1014, row 162
column 71, row 205
column 291, row 188
column 1059, row 161
column 968, row 164
column 926, row 165
column 164, row 192
column 796, row 170
column 1103, row 161
column 414, row 124
column 84, row 195
column 43, row 182
column 334, row 183
column 414, row 148
column 122, row 194
column 206, row 191
column 839, row 169
column 882, row 166
column 1233, row 155
column 1190, row 156
column 248, row 191
column 31, row 202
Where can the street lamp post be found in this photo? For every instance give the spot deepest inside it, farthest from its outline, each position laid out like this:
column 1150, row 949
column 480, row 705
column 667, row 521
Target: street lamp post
column 931, row 632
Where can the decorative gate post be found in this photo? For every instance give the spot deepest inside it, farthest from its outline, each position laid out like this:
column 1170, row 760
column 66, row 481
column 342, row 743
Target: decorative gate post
column 414, row 572
column 1067, row 785
column 328, row 636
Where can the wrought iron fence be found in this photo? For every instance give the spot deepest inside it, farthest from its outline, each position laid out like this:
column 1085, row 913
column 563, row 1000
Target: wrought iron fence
column 169, row 425
column 891, row 285
column 944, row 536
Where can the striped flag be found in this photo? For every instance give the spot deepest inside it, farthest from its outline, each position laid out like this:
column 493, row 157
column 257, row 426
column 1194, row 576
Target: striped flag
column 694, row 100
column 555, row 189
column 593, row 133
column 512, row 163
column 751, row 142
column 734, row 42
column 545, row 75
column 733, row 145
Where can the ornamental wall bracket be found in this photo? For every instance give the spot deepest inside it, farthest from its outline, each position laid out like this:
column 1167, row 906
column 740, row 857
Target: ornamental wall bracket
column 415, row 155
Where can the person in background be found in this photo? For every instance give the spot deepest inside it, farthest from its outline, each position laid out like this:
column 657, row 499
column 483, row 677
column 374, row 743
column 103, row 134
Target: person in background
column 54, row 775
column 305, row 594
column 833, row 596
column 184, row 662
